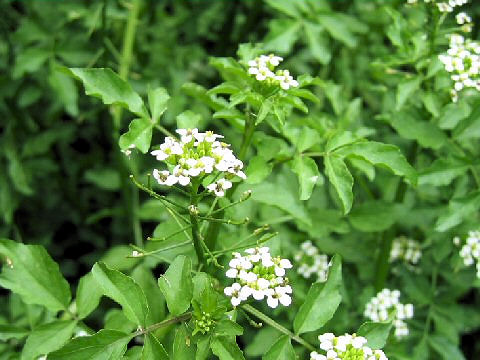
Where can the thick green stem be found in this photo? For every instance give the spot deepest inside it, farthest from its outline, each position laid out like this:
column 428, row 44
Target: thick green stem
column 277, row 326
column 131, row 196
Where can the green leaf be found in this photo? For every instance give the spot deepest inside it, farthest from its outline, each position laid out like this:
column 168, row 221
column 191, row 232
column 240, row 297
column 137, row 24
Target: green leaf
column 203, row 347
column 285, row 6
column 308, row 175
column 264, row 110
column 385, row 155
column 64, row 87
column 458, row 209
column 445, row 348
column 157, row 100
column 338, row 29
column 282, row 35
column 8, row 332
column 321, row 302
column 425, row 133
column 317, row 43
column 452, row 114
column 225, row 88
column 226, row 348
column 30, row 60
column 199, row 92
column 257, row 170
column 307, row 138
column 443, row 171
column 469, row 128
column 282, row 349
column 104, row 178
column 47, row 338
column 188, row 120
column 177, row 286
column 376, row 333
column 373, row 216
column 227, row 327
column 152, row 349
column 104, row 345
column 339, row 139
column 406, row 90
column 110, row 88
column 183, row 349
column 156, row 303
column 341, row 179
column 34, row 276
column 139, row 134
column 123, row 290
column 284, row 200
column 89, row 294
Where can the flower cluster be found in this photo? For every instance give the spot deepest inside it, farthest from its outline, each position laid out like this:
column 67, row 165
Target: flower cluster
column 443, row 6
column 465, row 20
column 346, row 347
column 450, row 5
column 377, row 309
column 462, row 60
column 263, row 68
column 405, row 249
column 195, row 155
column 311, row 262
column 259, row 275
column 470, row 251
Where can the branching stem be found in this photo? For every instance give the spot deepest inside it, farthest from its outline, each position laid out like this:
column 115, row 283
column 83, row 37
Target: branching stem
column 274, row 324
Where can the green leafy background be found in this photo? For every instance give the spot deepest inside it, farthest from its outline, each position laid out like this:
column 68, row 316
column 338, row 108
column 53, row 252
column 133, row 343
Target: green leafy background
column 375, row 149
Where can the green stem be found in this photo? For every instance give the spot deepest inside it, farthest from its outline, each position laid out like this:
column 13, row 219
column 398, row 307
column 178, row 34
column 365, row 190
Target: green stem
column 247, row 135
column 177, row 319
column 277, row 326
column 142, row 253
column 131, row 197
column 195, row 228
column 428, row 322
column 223, row 221
column 164, row 131
column 154, row 194
column 171, row 235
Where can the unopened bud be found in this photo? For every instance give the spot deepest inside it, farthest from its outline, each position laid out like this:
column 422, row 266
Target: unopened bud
column 193, row 209
column 246, row 195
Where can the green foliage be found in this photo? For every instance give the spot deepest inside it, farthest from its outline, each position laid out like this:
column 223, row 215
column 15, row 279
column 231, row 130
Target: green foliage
column 368, row 148
column 321, row 302
column 34, row 276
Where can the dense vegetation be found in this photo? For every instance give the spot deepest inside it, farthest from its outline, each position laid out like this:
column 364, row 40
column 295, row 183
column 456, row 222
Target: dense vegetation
column 350, row 193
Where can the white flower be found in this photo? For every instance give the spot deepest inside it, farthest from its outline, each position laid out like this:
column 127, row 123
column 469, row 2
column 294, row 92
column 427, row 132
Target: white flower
column 311, row 262
column 263, row 69
column 463, row 62
column 406, row 249
column 181, row 175
column 346, row 347
column 378, row 308
column 164, row 177
column 187, row 135
column 256, row 273
column 463, row 18
column 168, row 148
column 470, row 251
column 235, row 293
column 219, row 187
